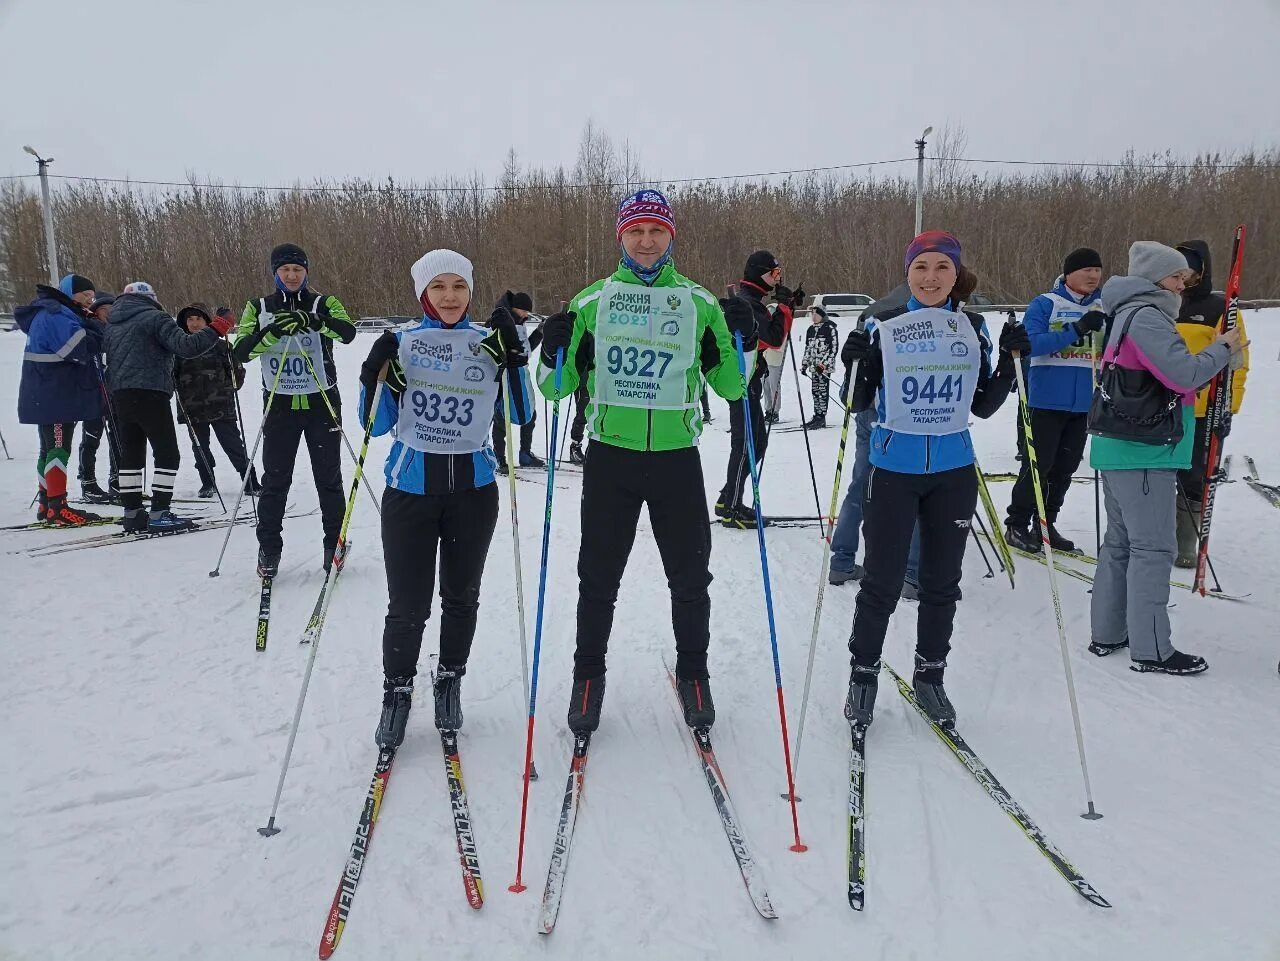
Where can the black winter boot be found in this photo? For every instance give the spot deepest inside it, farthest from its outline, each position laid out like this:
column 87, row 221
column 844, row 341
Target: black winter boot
column 1023, row 539
column 397, row 699
column 585, row 703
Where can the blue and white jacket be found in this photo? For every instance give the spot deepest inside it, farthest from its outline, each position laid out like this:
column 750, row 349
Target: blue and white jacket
column 60, row 379
column 1049, row 318
column 416, row 472
column 923, row 453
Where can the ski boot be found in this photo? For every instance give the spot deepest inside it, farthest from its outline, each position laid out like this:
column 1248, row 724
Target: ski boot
column 207, row 492
column 930, row 694
column 136, row 521
column 584, row 704
column 268, row 562
column 251, row 486
column 910, row 592
column 723, row 511
column 447, row 689
column 337, row 552
column 860, row 705
column 1060, row 543
column 397, row 699
column 91, row 493
column 1175, row 663
column 59, row 514
column 844, row 577
column 529, row 459
column 695, row 701
column 771, row 417
column 167, row 522
column 741, row 518
column 42, row 507
column 501, row 467
column 815, row 423
column 576, row 456
column 1022, row 538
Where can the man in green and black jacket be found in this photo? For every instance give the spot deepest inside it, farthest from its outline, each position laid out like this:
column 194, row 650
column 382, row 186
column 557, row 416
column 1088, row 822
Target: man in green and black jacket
column 647, row 339
column 293, row 330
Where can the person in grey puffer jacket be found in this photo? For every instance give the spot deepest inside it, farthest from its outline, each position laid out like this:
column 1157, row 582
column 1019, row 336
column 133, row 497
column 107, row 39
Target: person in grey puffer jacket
column 142, row 341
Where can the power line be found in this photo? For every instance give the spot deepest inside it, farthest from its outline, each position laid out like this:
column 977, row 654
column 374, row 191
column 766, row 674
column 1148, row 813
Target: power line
column 1104, row 166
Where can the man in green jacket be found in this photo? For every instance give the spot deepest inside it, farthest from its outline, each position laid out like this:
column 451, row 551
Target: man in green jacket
column 647, row 338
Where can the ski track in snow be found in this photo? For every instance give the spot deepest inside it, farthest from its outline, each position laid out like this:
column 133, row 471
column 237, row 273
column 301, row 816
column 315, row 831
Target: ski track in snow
column 142, row 737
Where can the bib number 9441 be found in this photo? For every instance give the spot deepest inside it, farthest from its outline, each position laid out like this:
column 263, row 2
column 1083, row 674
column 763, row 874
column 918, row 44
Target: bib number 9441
column 638, row 362
column 930, row 391
column 432, row 408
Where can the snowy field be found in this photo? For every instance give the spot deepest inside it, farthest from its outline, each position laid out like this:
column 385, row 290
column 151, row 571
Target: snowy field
column 142, row 736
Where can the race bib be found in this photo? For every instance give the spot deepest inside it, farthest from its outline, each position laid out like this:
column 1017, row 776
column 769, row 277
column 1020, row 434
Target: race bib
column 645, row 340
column 448, row 403
column 289, row 356
column 1066, row 312
column 932, row 358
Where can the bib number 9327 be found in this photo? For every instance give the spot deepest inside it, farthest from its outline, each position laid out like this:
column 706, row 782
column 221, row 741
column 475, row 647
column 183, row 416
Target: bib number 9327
column 638, row 362
column 931, row 392
column 431, row 407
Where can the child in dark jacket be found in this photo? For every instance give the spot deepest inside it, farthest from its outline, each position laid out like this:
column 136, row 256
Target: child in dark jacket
column 819, row 354
column 206, row 390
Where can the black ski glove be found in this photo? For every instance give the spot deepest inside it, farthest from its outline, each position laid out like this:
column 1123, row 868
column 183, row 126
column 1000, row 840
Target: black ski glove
column 738, row 317
column 385, row 350
column 557, row 332
column 502, row 321
column 788, row 297
column 1090, row 323
column 1014, row 337
column 857, row 347
column 287, row 323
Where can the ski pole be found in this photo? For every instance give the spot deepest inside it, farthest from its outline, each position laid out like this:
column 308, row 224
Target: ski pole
column 1097, row 494
column 518, row 885
column 337, row 426
column 824, row 569
column 1217, row 584
column 235, row 395
column 813, row 478
column 991, row 540
column 1091, row 814
column 235, row 510
column 997, row 532
column 512, row 386
column 332, row 574
column 981, row 550
column 749, row 433
column 7, row 455
column 201, row 454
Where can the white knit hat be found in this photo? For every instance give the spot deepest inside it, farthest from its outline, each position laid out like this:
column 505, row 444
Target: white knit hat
column 436, row 262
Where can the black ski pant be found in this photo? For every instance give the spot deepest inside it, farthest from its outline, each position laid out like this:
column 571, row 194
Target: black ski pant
column 144, row 417
column 285, row 429
column 739, row 471
column 414, row 526
column 1059, row 437
column 90, row 441
column 943, row 503
column 616, row 484
column 1191, row 481
column 229, row 439
column 581, row 398
column 500, row 428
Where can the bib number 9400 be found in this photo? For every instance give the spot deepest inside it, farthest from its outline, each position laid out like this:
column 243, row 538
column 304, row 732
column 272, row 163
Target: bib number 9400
column 293, row 366
column 930, row 392
column 638, row 362
column 431, row 407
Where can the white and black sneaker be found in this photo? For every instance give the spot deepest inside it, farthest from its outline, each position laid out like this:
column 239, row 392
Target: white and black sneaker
column 1176, row 663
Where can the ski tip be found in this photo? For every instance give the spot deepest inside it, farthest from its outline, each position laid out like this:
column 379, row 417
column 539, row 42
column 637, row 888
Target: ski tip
column 517, row 888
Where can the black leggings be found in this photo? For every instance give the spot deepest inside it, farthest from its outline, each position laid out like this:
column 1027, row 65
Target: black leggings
column 144, row 416
column 413, row 527
column 228, row 434
column 739, row 470
column 1059, row 438
column 944, row 504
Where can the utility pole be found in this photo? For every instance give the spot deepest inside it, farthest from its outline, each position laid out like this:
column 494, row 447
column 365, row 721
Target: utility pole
column 920, row 179
column 47, row 204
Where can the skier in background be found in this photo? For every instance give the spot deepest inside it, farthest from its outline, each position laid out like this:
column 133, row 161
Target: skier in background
column 97, row 428
column 520, row 307
column 821, row 342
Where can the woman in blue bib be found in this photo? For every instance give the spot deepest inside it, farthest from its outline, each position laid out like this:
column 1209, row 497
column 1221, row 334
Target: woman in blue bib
column 926, row 366
column 441, row 388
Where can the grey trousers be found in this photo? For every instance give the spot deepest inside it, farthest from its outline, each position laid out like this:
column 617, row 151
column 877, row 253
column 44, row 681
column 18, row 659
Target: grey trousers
column 1131, row 589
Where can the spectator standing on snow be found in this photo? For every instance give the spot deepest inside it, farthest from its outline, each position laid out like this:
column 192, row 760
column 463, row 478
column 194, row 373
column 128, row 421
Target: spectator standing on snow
column 1062, row 325
column 1143, row 429
column 59, row 385
column 520, row 308
column 820, row 347
column 207, row 385
column 98, row 428
column 142, row 342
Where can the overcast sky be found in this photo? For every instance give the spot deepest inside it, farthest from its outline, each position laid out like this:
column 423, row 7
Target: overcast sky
column 261, row 91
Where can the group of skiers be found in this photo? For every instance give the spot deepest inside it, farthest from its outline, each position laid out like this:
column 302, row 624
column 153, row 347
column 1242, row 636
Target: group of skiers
column 636, row 351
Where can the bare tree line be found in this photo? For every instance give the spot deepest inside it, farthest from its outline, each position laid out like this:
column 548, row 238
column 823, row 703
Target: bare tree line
column 551, row 232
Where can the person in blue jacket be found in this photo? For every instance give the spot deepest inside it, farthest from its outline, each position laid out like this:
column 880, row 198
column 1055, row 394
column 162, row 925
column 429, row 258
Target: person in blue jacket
column 926, row 368
column 441, row 498
column 1061, row 325
column 59, row 385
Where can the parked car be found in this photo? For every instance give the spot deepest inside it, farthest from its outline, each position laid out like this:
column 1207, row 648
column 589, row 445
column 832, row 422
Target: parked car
column 838, row 306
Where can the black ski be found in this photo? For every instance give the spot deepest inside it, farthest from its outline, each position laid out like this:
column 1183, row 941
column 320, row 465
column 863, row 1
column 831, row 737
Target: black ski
column 264, row 614
column 1270, row 492
column 857, row 818
column 564, row 834
column 997, row 792
column 336, row 922
column 467, row 853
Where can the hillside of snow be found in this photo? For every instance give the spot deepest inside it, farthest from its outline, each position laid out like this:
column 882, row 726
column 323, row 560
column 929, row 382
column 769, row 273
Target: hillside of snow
column 141, row 737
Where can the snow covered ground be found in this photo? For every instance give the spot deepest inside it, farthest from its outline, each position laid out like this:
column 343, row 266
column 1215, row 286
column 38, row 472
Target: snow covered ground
column 141, row 738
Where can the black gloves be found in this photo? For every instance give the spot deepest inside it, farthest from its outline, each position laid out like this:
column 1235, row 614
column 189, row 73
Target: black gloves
column 290, row 322
column 1089, row 323
column 788, row 297
column 1014, row 337
column 385, row 350
column 557, row 332
column 857, row 347
column 502, row 321
column 316, row 322
column 740, row 319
